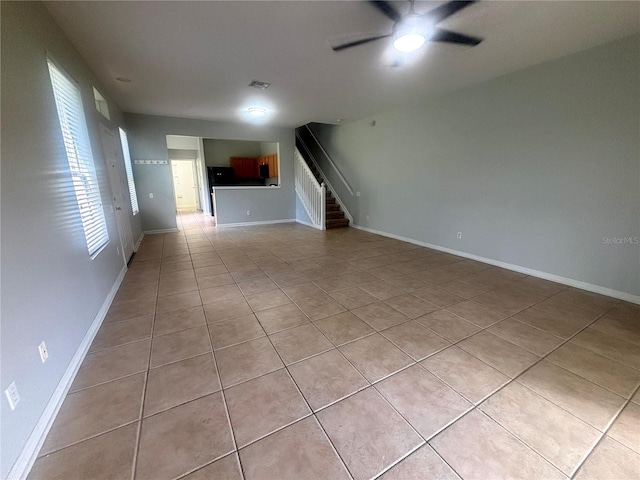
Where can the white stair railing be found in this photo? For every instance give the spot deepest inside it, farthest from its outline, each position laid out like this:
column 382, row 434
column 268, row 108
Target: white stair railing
column 340, row 189
column 312, row 194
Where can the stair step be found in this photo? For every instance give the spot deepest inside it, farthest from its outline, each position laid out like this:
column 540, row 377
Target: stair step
column 335, row 214
column 332, row 207
column 337, row 223
column 330, row 200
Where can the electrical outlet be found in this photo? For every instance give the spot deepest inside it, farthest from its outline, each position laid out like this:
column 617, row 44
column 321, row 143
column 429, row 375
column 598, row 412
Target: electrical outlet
column 151, row 195
column 459, row 235
column 12, row 395
column 44, row 353
column 367, row 217
column 357, row 194
column 248, row 212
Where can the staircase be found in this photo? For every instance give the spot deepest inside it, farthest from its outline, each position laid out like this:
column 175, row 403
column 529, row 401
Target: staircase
column 334, row 215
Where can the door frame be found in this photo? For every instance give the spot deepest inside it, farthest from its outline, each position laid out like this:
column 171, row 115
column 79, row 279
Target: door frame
column 205, row 193
column 123, row 219
column 194, row 172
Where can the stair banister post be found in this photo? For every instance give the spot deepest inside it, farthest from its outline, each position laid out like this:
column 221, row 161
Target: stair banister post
column 323, row 207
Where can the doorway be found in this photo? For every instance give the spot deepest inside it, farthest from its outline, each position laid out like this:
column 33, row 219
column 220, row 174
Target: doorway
column 185, row 186
column 110, row 150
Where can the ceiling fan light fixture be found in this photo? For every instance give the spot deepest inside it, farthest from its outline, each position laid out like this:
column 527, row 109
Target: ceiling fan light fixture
column 257, row 111
column 411, row 33
column 409, row 42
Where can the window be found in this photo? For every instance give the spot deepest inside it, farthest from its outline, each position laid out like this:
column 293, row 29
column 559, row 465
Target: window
column 127, row 167
column 101, row 103
column 77, row 146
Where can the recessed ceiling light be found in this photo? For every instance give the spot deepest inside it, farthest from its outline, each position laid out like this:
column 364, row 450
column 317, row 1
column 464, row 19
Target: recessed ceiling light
column 259, row 85
column 123, row 79
column 257, row 111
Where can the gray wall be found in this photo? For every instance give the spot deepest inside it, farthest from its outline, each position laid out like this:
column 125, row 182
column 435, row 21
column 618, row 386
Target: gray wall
column 301, row 212
column 534, row 168
column 217, row 152
column 51, row 289
column 182, row 154
column 148, row 141
column 268, row 148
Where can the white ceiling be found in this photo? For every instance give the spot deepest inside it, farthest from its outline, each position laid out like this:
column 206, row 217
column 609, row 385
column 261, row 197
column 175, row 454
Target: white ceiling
column 195, row 59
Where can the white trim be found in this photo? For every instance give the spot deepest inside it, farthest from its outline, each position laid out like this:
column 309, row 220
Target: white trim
column 137, row 245
column 629, row 297
column 308, row 224
column 29, row 453
column 214, row 204
column 162, row 230
column 248, row 224
column 205, row 199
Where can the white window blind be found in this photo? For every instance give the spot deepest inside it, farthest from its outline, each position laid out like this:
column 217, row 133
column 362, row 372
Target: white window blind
column 78, row 148
column 129, row 170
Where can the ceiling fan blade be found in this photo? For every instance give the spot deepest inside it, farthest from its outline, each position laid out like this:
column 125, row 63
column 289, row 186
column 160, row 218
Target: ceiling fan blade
column 387, row 9
column 355, row 43
column 452, row 37
column 443, row 11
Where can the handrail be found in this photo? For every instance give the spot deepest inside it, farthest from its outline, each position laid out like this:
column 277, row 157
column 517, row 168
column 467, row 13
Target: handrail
column 330, row 187
column 312, row 194
column 330, row 160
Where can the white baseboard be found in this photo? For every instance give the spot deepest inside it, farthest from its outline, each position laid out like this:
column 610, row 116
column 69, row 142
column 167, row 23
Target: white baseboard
column 27, row 457
column 309, row 224
column 248, row 224
column 629, row 297
column 137, row 245
column 164, row 230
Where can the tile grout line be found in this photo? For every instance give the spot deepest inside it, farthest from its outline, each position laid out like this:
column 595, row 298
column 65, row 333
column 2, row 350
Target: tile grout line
column 311, row 412
column 514, row 379
column 376, row 331
column 371, row 385
column 136, row 451
column 605, row 433
column 202, row 354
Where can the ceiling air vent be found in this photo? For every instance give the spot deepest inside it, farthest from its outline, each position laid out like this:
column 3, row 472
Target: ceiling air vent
column 259, row 85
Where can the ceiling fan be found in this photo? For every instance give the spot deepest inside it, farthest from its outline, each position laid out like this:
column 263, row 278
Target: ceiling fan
column 412, row 30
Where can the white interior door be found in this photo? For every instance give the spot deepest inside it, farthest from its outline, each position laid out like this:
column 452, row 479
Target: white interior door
column 110, row 150
column 184, row 185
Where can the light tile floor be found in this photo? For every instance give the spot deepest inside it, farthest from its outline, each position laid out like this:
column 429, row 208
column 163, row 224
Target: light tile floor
column 282, row 352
